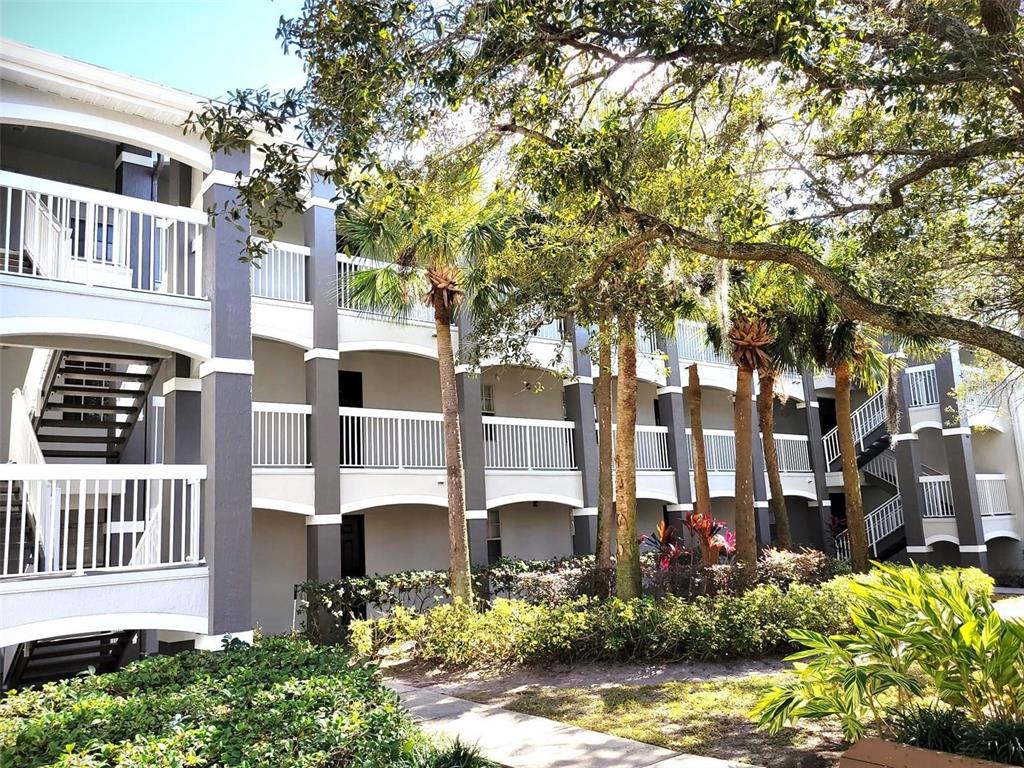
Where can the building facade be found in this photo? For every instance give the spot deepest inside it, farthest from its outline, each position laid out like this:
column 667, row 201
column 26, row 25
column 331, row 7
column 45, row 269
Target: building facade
column 187, row 437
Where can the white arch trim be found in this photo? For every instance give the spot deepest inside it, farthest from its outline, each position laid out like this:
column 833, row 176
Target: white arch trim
column 276, row 505
column 267, row 333
column 78, row 121
column 102, row 622
column 722, row 493
column 656, row 495
column 915, row 428
column 798, row 493
column 392, row 501
column 989, row 535
column 929, row 540
column 519, row 498
column 380, row 345
column 104, row 329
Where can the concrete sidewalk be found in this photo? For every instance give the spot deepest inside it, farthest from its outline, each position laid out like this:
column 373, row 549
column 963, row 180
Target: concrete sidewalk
column 524, row 741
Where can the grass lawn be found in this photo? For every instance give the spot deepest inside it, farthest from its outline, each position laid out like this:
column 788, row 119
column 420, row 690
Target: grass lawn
column 701, row 717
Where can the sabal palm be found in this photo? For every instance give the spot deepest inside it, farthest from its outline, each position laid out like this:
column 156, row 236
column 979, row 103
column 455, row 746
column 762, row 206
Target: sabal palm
column 437, row 260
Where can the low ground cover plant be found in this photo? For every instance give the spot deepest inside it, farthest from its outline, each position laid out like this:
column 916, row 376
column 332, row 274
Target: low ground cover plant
column 283, row 702
column 926, row 658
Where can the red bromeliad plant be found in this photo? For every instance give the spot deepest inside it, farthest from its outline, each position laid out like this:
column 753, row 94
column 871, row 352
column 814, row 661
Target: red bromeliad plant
column 712, row 536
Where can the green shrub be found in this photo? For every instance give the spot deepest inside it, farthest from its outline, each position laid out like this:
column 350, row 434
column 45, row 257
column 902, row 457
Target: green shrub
column 281, row 702
column 950, row 730
column 918, row 636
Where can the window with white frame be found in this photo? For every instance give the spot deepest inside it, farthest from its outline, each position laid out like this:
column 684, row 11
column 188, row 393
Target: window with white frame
column 487, row 399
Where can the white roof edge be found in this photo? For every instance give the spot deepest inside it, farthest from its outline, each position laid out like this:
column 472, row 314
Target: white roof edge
column 46, row 66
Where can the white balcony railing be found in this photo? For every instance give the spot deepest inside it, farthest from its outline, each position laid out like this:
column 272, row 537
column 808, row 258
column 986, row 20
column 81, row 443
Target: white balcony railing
column 281, row 273
column 99, row 517
column 692, row 344
column 347, row 267
column 378, row 439
column 65, row 232
column 280, row 434
column 719, row 449
column 527, row 444
column 792, row 452
column 922, row 386
column 550, row 331
column 938, row 496
column 992, row 499
column 651, row 448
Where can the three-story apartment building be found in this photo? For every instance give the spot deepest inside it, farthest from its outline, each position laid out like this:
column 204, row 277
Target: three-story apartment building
column 187, row 437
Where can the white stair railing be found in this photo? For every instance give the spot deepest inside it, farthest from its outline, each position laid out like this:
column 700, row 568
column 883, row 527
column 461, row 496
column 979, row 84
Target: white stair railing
column 109, row 516
column 280, row 434
column 82, row 235
column 880, row 522
column 867, row 418
column 884, row 466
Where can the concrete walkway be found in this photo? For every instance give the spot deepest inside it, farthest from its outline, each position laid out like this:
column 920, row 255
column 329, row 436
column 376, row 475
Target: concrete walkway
column 516, row 740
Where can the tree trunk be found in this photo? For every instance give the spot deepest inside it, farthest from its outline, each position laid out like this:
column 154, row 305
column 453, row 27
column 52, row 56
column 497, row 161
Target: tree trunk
column 627, row 563
column 605, row 496
column 702, row 502
column 746, row 535
column 766, row 424
column 857, row 531
column 458, row 540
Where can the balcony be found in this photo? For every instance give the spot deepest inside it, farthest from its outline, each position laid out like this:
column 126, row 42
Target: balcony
column 997, row 516
column 80, row 261
column 720, row 453
column 88, row 547
column 281, row 307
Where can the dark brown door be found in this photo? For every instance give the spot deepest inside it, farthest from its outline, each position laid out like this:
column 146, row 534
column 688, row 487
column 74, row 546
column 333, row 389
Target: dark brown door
column 353, row 546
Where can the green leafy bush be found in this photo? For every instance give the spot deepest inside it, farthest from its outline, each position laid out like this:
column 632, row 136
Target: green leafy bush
column 918, row 637
column 950, row 730
column 514, row 631
column 281, row 702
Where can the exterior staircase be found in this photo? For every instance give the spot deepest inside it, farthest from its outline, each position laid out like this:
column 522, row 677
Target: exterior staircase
column 90, row 404
column 59, row 658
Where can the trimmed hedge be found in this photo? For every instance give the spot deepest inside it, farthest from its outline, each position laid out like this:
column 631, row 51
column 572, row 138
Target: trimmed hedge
column 281, row 702
column 749, row 625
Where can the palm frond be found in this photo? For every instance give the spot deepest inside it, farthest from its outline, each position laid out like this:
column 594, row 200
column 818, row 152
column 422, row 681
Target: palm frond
column 383, row 290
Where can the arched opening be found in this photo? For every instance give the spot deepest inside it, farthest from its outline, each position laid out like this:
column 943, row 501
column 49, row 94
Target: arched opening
column 532, row 530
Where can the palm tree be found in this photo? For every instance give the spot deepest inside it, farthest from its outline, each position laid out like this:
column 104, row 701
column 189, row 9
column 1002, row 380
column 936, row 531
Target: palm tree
column 702, row 492
column 627, row 560
column 433, row 254
column 749, row 338
column 852, row 351
column 767, row 376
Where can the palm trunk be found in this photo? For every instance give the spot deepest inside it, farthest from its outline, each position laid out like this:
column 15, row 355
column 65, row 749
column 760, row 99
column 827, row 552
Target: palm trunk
column 702, row 502
column 458, row 540
column 766, row 424
column 605, row 496
column 746, row 535
column 627, row 563
column 857, row 531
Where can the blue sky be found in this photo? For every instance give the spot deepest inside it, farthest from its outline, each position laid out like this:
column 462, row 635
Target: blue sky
column 204, row 46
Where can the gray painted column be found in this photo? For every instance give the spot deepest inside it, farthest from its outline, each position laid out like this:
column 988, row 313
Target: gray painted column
column 323, row 542
column 672, row 409
column 134, row 176
column 472, row 428
column 579, row 409
column 816, row 451
column 956, row 440
column 226, row 445
column 761, row 510
column 908, row 473
column 182, row 430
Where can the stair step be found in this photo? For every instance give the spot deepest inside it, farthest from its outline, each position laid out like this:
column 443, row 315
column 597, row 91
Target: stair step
column 101, row 391
column 97, row 439
column 69, row 454
column 76, row 424
column 104, row 375
column 87, row 408
column 104, row 357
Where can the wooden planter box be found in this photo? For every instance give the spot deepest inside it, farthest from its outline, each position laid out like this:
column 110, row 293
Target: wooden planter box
column 876, row 753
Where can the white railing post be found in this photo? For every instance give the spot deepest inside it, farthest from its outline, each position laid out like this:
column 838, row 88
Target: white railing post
column 83, row 493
